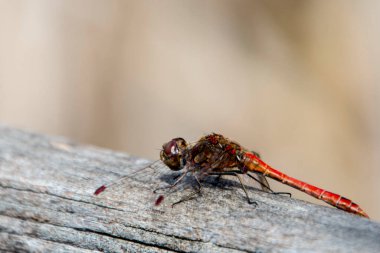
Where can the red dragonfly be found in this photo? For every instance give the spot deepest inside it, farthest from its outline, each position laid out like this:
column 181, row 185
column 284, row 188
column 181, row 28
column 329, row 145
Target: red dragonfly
column 216, row 155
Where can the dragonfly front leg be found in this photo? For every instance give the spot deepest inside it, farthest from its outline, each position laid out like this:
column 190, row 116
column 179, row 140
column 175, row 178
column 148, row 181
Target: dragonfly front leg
column 198, row 191
column 172, row 185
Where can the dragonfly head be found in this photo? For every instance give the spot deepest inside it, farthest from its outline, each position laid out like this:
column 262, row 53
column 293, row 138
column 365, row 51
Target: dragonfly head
column 172, row 153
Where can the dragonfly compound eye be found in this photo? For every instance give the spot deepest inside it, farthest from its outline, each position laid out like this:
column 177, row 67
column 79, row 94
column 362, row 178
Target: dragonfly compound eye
column 172, row 152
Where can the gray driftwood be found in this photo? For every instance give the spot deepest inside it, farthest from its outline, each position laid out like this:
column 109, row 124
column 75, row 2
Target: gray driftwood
column 47, row 205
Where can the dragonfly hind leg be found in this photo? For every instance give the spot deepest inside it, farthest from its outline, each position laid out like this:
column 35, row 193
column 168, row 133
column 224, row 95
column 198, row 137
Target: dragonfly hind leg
column 268, row 189
column 262, row 180
column 233, row 173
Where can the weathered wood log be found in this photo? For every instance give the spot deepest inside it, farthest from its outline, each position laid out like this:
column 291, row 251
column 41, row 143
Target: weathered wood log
column 47, row 205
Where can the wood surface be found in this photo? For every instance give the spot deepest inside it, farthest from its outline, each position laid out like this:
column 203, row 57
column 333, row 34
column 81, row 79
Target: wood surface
column 47, row 205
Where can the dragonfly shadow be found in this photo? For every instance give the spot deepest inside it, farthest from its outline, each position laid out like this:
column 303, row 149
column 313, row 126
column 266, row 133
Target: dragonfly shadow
column 188, row 188
column 224, row 183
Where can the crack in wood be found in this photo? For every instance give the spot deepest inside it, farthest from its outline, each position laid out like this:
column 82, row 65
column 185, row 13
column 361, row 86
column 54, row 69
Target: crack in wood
column 90, row 203
column 23, row 244
column 36, row 237
column 42, row 221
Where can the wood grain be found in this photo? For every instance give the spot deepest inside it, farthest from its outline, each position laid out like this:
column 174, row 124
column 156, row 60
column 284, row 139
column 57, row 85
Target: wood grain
column 47, row 205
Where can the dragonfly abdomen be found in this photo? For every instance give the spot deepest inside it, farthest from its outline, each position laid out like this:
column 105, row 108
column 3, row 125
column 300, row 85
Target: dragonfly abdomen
column 253, row 163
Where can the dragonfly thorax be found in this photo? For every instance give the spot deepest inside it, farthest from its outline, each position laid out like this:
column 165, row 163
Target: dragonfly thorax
column 172, row 153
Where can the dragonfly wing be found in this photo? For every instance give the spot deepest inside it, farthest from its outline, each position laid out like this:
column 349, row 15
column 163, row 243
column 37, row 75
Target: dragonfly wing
column 141, row 174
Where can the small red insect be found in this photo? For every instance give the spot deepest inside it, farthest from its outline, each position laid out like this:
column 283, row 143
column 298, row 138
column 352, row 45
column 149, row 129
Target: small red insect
column 216, row 155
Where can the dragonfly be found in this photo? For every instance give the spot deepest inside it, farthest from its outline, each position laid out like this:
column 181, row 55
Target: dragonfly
column 215, row 154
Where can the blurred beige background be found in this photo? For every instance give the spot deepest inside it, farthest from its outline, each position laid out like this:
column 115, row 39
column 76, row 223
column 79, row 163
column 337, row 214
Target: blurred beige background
column 297, row 81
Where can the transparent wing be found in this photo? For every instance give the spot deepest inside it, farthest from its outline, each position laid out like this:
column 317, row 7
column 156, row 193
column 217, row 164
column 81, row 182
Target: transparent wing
column 142, row 174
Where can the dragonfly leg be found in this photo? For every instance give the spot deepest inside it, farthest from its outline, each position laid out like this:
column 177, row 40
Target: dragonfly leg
column 282, row 193
column 191, row 195
column 245, row 191
column 172, row 185
column 261, row 179
column 236, row 174
column 263, row 185
column 218, row 178
column 268, row 188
